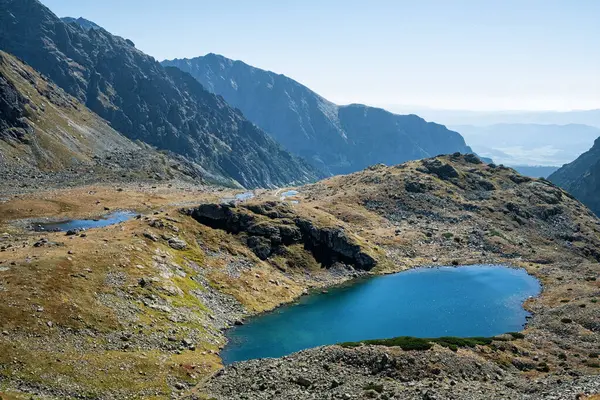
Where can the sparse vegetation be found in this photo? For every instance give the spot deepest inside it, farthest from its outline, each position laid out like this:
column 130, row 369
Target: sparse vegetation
column 374, row 386
column 543, row 367
column 413, row 343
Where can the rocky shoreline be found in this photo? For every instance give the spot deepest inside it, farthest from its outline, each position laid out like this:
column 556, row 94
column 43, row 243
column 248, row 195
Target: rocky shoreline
column 334, row 372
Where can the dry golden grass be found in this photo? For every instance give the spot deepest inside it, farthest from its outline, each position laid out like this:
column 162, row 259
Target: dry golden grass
column 62, row 285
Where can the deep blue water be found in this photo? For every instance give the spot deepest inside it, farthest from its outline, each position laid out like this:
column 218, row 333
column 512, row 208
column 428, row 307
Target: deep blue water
column 107, row 220
column 479, row 300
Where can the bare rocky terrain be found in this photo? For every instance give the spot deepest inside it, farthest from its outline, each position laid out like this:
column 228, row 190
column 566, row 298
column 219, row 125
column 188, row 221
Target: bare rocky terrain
column 139, row 309
column 455, row 210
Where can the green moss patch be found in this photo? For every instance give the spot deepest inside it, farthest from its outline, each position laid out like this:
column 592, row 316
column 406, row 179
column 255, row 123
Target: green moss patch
column 413, row 343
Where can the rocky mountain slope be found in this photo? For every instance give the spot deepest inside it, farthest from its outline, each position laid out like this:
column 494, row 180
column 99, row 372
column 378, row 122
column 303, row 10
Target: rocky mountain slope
column 84, row 23
column 160, row 106
column 49, row 137
column 139, row 309
column 336, row 139
column 582, row 177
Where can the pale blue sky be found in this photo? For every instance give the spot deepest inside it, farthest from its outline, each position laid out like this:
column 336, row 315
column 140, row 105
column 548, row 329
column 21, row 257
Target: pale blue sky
column 455, row 54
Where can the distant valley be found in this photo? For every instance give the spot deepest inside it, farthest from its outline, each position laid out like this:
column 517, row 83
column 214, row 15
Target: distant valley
column 530, row 144
column 486, row 118
column 534, row 171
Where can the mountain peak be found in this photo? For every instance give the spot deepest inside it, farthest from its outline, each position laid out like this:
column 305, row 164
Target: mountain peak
column 144, row 101
column 82, row 22
column 336, row 139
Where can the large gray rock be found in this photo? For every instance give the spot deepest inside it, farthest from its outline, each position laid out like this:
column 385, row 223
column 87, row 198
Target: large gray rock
column 442, row 170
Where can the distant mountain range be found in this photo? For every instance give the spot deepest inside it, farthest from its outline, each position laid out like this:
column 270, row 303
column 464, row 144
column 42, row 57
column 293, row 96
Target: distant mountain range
column 485, row 118
column 582, row 178
column 146, row 101
column 530, row 144
column 336, row 139
column 534, row 171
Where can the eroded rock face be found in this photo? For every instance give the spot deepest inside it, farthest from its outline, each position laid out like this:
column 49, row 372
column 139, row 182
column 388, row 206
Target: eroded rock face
column 13, row 125
column 163, row 107
column 581, row 178
column 267, row 227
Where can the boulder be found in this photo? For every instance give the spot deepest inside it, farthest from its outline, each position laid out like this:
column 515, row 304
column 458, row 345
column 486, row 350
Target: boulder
column 442, row 170
column 261, row 246
column 473, row 159
column 177, row 244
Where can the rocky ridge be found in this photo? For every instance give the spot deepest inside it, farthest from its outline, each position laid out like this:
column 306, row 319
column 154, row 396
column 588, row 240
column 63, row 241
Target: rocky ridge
column 335, row 139
column 163, row 107
column 268, row 227
column 48, row 138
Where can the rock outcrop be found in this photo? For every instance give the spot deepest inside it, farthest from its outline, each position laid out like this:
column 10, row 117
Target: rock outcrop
column 13, row 123
column 335, row 139
column 267, row 227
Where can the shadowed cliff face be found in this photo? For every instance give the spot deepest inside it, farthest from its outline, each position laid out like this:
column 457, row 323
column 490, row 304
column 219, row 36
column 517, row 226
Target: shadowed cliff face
column 336, row 139
column 48, row 137
column 143, row 100
column 582, row 178
column 268, row 227
column 12, row 110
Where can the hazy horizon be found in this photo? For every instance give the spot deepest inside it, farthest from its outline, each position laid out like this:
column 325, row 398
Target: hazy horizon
column 518, row 56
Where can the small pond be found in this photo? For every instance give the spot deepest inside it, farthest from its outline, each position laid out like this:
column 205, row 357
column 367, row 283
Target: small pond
column 238, row 197
column 289, row 193
column 83, row 224
column 479, row 300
